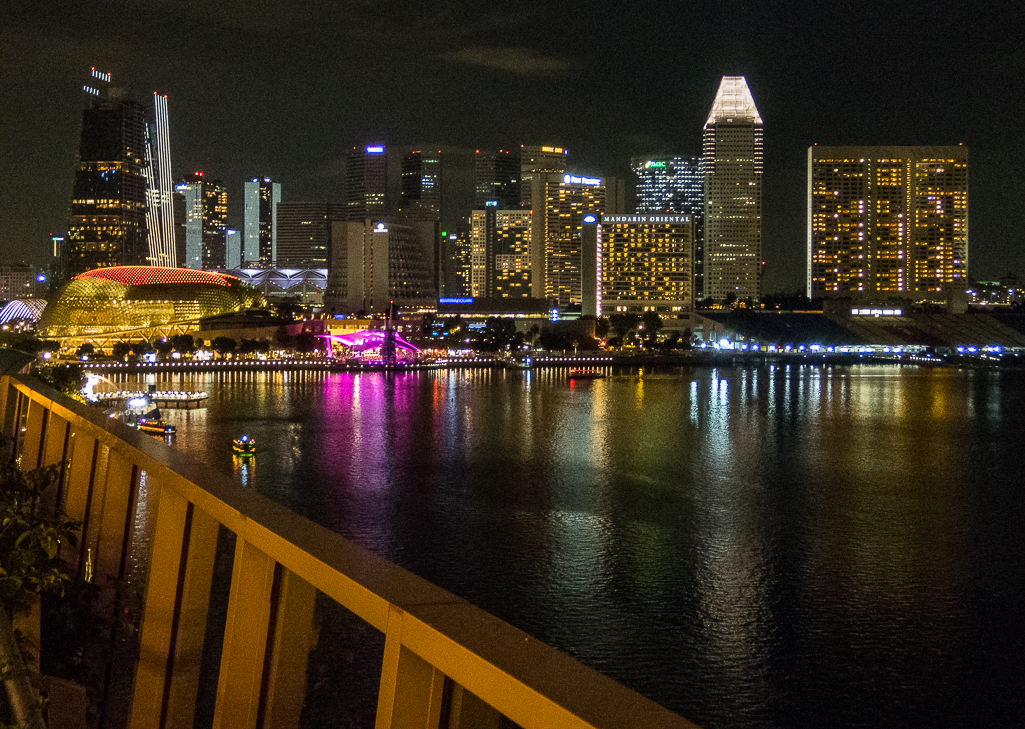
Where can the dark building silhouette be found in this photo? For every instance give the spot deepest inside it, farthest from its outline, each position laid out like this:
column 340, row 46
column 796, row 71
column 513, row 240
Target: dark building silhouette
column 496, row 178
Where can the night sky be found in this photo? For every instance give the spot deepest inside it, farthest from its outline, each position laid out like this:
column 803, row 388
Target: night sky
column 263, row 87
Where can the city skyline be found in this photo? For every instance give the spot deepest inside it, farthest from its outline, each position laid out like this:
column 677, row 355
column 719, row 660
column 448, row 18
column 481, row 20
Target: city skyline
column 607, row 90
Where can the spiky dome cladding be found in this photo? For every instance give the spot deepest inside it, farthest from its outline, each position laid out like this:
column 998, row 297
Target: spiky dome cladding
column 121, row 298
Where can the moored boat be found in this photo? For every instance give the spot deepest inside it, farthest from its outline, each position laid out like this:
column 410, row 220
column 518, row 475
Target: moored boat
column 244, row 446
column 580, row 374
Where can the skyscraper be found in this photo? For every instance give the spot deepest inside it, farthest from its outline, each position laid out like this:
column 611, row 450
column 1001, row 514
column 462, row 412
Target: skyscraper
column 206, row 222
column 108, row 206
column 886, row 221
column 560, row 203
column 304, row 232
column 420, row 186
column 500, row 253
column 539, row 159
column 675, row 184
column 732, row 160
column 496, row 178
column 260, row 230
column 647, row 263
column 159, row 187
column 366, row 183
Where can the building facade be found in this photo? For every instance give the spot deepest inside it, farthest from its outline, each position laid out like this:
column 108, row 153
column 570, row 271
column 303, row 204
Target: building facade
column 500, row 253
column 304, row 233
column 366, row 183
column 206, row 222
column 539, row 159
column 420, row 186
column 496, row 178
column 108, row 207
column 260, row 224
column 647, row 263
column 675, row 184
column 560, row 202
column 159, row 187
column 887, row 221
column 732, row 170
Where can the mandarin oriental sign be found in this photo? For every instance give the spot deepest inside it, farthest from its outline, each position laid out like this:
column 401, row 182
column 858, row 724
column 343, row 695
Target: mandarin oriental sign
column 646, row 219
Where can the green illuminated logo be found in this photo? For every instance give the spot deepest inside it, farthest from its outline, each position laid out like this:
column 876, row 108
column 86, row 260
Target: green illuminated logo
column 657, row 164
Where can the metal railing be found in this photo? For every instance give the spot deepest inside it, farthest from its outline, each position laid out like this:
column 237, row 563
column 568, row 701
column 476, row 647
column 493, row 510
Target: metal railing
column 446, row 663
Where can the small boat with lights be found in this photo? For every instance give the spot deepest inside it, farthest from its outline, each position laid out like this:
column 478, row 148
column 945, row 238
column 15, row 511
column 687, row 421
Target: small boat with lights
column 580, row 374
column 159, row 427
column 243, row 446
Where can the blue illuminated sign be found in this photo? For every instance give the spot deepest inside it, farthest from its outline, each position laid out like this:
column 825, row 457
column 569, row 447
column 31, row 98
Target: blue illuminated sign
column 573, row 179
column 491, row 203
column 375, row 150
column 590, row 219
column 456, row 300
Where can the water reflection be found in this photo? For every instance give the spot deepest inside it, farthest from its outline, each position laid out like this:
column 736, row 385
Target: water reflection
column 792, row 546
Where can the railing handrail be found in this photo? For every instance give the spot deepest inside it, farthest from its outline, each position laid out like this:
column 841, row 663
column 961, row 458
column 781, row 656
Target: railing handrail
column 516, row 674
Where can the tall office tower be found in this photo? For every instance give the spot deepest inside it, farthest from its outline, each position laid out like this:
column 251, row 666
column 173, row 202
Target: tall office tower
column 366, row 183
column 886, row 221
column 108, row 206
column 647, row 262
column 159, row 187
column 500, row 253
column 420, row 186
column 675, row 184
column 560, row 203
column 304, row 232
column 206, row 222
column 372, row 264
column 233, row 248
column 539, row 159
column 260, row 241
column 456, row 254
column 496, row 178
column 732, row 162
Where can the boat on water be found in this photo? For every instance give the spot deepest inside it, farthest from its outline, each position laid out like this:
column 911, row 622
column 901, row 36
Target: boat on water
column 150, row 425
column 243, row 446
column 580, row 374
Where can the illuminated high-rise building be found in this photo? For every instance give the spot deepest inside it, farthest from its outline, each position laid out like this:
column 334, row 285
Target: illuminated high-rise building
column 647, row 263
column 732, row 167
column 560, row 202
column 206, row 222
column 456, row 256
column 160, row 187
column 886, row 221
column 420, row 186
column 304, row 233
column 108, row 206
column 366, row 183
column 496, row 178
column 500, row 253
column 260, row 229
column 675, row 184
column 233, row 248
column 535, row 159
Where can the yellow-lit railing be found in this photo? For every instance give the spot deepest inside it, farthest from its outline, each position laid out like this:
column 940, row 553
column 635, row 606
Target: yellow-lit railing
column 446, row 663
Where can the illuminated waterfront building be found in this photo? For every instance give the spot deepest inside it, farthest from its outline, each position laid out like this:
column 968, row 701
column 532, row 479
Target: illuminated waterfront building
column 304, row 232
column 539, row 159
column 675, row 184
column 456, row 252
column 560, row 202
column 366, row 183
column 114, row 301
column 260, row 229
column 732, row 167
column 233, row 247
column 500, row 253
column 646, row 263
column 887, row 221
column 159, row 187
column 496, row 178
column 206, row 222
column 420, row 186
column 108, row 206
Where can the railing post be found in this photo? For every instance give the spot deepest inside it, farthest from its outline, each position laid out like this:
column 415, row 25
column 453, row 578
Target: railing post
column 469, row 712
column 294, row 637
column 245, row 639
column 34, row 430
column 174, row 614
column 411, row 688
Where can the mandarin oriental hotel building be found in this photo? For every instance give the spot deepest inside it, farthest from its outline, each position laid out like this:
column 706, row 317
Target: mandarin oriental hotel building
column 647, row 263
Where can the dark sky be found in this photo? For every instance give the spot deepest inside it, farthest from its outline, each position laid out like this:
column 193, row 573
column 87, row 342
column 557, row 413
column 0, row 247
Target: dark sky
column 284, row 87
